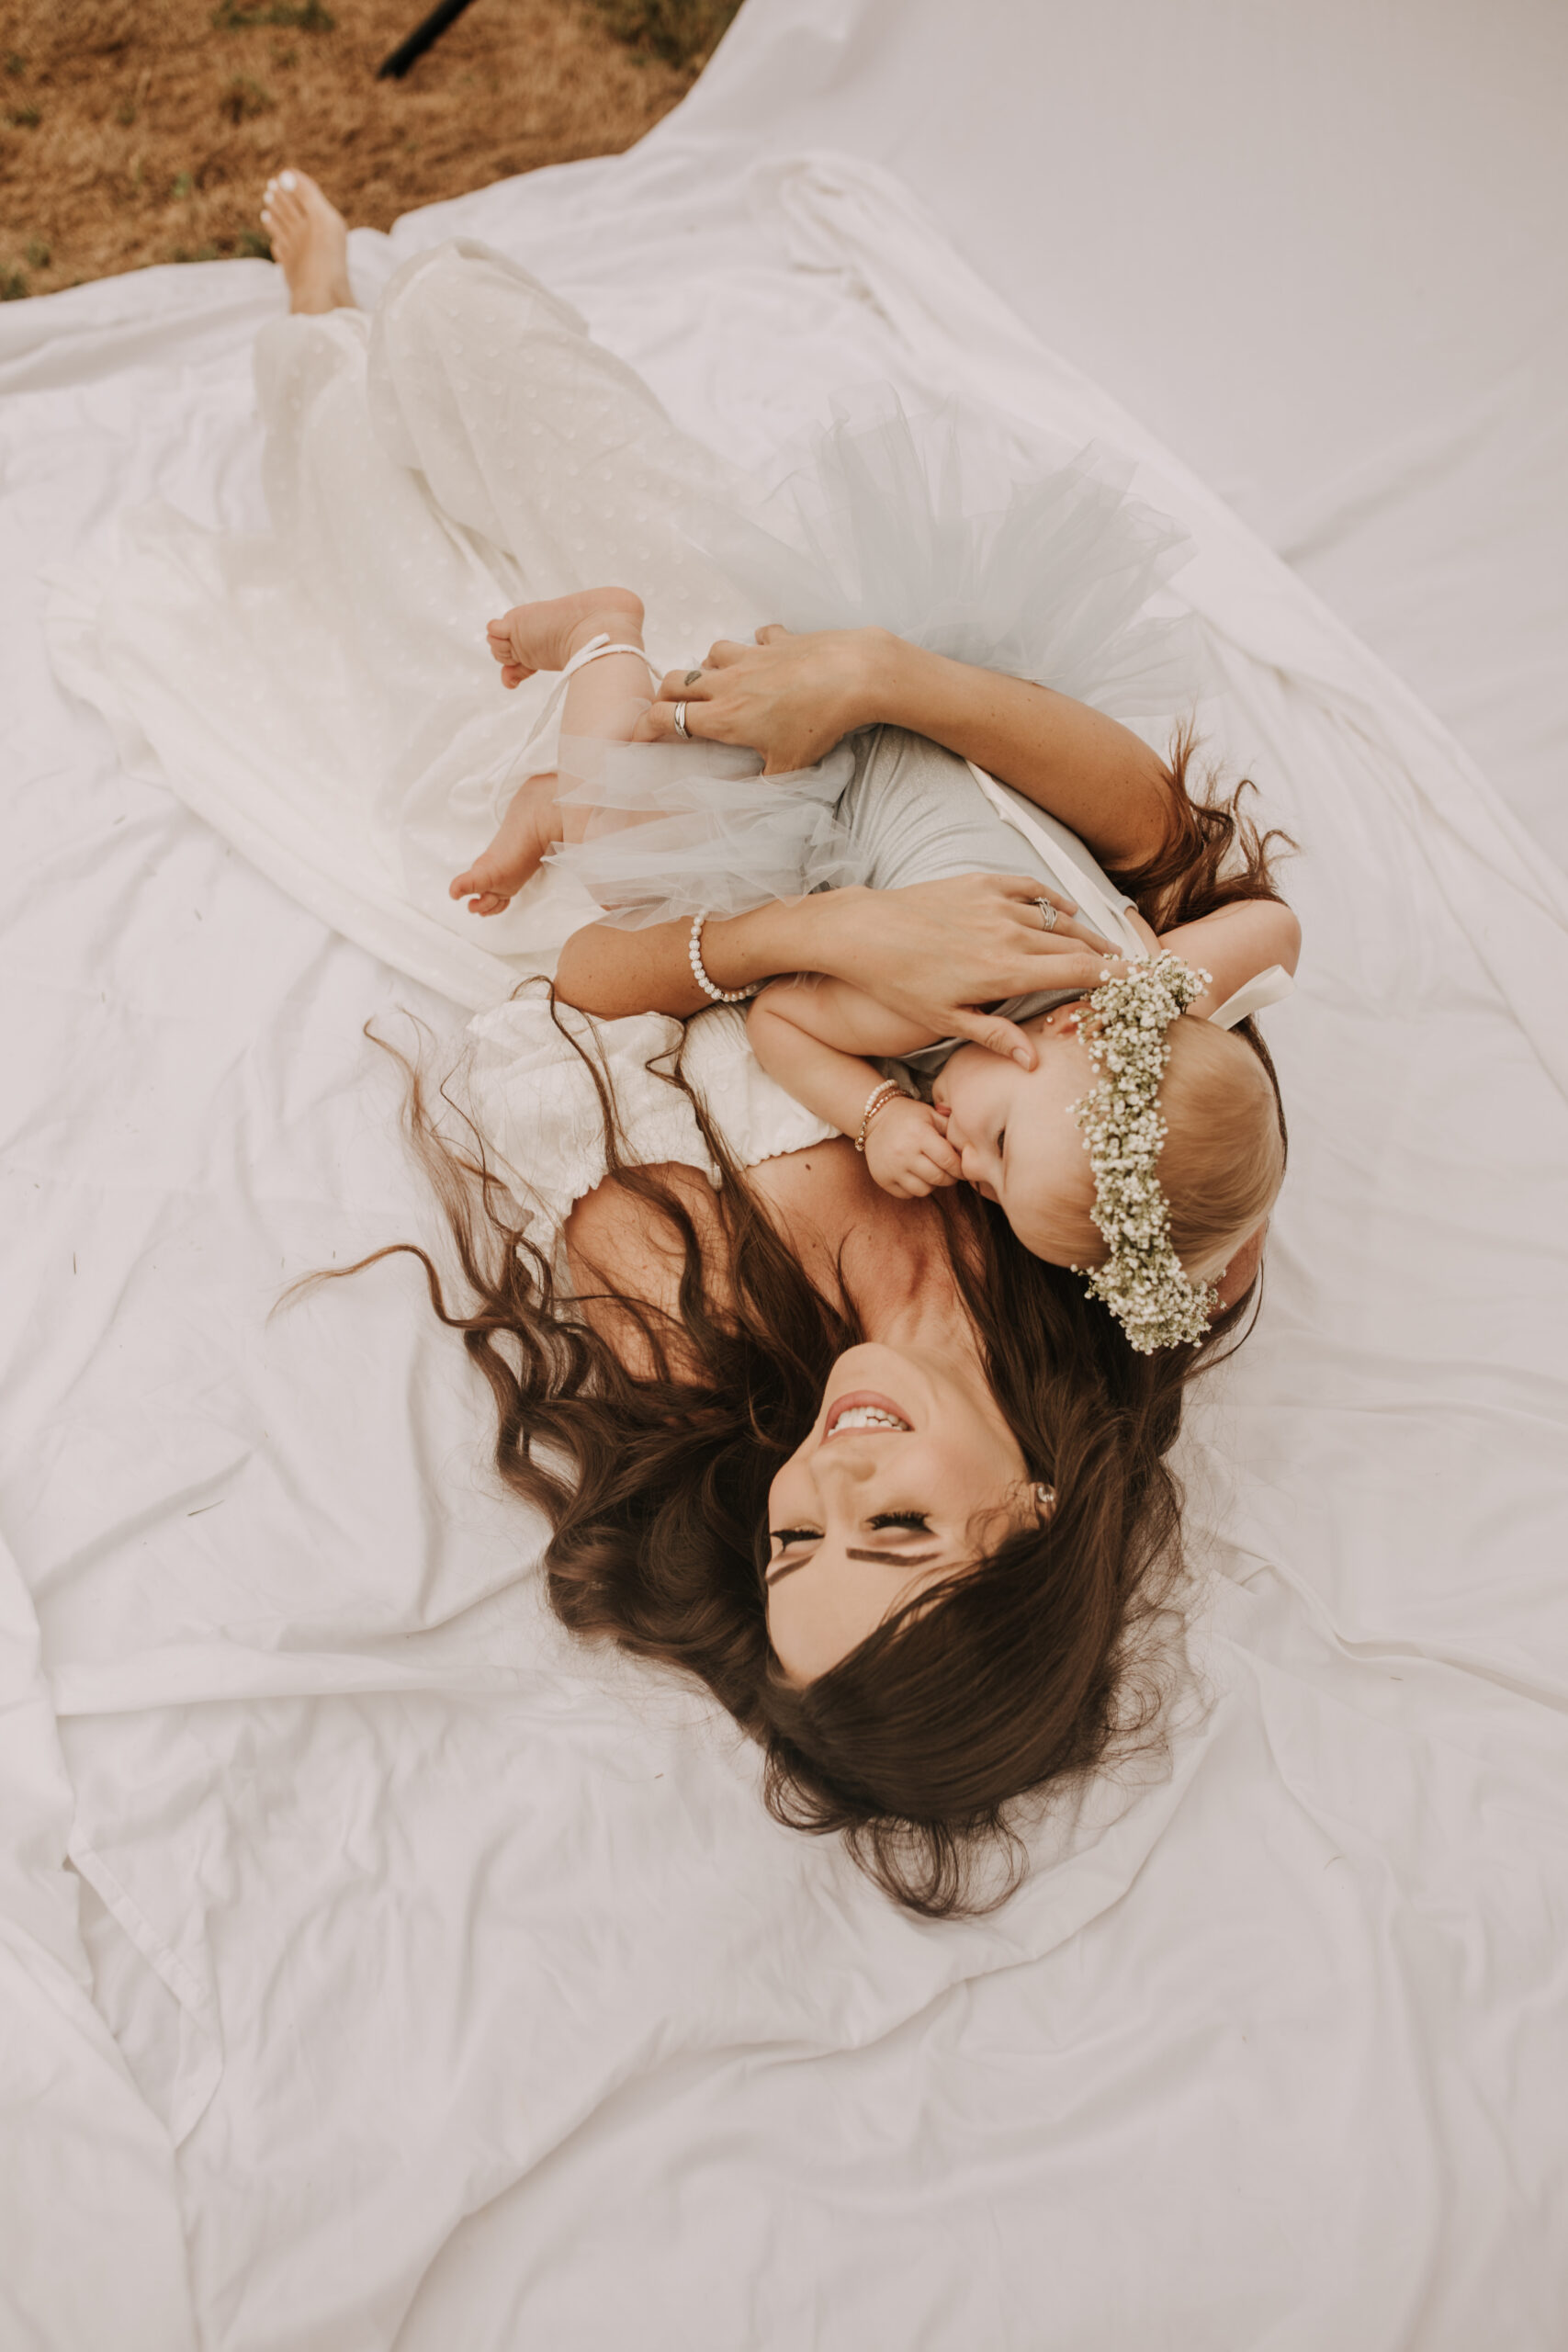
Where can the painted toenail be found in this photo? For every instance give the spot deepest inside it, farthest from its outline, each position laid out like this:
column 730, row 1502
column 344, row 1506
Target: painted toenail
column 288, row 180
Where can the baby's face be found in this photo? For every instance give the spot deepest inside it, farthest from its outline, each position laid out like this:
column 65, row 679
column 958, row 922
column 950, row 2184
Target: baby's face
column 1020, row 1144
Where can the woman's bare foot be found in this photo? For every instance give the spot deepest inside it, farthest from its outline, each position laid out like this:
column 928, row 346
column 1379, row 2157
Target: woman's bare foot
column 545, row 636
column 530, row 826
column 310, row 239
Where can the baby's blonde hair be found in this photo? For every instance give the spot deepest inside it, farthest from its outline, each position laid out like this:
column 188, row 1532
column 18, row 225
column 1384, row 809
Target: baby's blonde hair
column 1223, row 1157
column 1220, row 1167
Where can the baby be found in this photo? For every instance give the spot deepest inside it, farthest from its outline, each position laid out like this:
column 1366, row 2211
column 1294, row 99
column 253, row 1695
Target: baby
column 1013, row 1134
column 1022, row 1137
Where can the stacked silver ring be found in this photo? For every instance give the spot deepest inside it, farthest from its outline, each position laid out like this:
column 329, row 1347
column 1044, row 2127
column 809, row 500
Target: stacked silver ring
column 1049, row 918
column 681, row 728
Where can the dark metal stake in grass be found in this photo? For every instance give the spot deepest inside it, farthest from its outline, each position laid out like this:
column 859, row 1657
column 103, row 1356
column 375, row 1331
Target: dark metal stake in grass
column 408, row 52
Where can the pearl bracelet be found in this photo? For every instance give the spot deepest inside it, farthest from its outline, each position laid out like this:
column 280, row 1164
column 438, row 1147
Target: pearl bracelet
column 694, row 958
column 877, row 1100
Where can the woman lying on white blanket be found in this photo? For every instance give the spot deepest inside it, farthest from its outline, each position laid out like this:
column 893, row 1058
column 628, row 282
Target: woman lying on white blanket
column 892, row 1486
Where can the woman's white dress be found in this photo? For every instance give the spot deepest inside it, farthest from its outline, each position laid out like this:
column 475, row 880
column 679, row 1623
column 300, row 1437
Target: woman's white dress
column 325, row 695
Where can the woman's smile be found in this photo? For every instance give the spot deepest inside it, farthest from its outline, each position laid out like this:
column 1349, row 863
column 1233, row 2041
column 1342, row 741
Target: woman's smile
column 863, row 1408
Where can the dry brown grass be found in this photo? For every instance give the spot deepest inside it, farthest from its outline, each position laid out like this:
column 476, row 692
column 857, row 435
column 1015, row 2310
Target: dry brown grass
column 142, row 131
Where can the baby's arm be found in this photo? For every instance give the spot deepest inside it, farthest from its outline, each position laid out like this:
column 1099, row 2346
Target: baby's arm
column 1234, row 945
column 809, row 1034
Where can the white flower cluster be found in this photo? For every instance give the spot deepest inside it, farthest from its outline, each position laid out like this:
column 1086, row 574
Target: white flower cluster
column 1141, row 1282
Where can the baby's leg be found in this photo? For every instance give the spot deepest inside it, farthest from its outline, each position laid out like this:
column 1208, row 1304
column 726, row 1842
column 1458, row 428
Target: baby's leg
column 606, row 699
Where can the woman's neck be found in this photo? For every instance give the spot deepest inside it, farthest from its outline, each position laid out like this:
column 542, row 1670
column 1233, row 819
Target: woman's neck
column 898, row 1269
column 892, row 1256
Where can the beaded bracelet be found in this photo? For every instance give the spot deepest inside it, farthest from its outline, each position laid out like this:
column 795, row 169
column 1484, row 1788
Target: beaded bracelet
column 694, row 958
column 877, row 1100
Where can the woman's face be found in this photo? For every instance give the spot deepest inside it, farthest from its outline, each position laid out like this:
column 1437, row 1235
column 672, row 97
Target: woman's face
column 908, row 1472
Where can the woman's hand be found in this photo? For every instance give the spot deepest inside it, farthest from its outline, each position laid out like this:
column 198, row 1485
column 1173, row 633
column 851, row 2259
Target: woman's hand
column 936, row 952
column 791, row 698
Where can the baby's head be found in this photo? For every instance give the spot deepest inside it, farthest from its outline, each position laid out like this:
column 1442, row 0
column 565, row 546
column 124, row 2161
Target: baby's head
column 1021, row 1144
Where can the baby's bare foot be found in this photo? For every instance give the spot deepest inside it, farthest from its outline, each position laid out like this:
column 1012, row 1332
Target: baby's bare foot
column 309, row 239
column 545, row 636
column 529, row 827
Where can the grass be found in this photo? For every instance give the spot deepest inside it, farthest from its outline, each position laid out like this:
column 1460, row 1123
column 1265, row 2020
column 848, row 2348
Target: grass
column 242, row 100
column 677, row 33
column 136, row 123
column 304, row 15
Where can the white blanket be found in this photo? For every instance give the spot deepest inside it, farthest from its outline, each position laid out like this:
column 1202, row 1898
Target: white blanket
column 438, row 1982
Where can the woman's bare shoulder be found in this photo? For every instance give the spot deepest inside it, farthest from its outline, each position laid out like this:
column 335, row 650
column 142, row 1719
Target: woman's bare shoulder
column 622, row 1247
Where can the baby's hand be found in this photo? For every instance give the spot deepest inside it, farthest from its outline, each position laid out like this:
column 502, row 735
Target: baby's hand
column 907, row 1152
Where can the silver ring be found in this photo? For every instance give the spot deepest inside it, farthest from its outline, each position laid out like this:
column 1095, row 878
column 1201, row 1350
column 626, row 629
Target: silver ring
column 1049, row 918
column 681, row 728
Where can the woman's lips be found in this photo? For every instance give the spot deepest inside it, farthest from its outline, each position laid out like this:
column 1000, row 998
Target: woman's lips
column 871, row 1409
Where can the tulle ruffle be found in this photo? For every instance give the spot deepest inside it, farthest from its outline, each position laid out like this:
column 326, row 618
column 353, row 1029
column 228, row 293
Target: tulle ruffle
column 918, row 525
column 914, row 525
column 686, row 828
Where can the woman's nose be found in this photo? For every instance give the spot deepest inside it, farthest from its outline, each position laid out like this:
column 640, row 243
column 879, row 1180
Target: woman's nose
column 845, row 1461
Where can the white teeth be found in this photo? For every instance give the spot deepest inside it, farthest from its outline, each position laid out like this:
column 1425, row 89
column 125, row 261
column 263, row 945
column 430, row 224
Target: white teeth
column 867, row 1416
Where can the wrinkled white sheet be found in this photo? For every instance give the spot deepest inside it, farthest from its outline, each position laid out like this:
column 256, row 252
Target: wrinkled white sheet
column 1317, row 249
column 435, row 1983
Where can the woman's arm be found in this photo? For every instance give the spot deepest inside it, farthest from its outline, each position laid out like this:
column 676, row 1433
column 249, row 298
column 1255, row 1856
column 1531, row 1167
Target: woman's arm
column 792, row 697
column 931, row 953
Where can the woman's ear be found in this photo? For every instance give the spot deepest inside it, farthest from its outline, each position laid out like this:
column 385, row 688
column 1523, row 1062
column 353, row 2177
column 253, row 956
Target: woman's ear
column 1045, row 1499
column 1239, row 1275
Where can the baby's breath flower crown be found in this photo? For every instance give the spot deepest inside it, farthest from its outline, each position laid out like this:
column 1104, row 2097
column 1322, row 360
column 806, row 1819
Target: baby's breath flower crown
column 1141, row 1282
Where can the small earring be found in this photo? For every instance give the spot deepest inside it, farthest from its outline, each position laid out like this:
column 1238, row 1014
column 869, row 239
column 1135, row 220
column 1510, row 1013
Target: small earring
column 1044, row 1496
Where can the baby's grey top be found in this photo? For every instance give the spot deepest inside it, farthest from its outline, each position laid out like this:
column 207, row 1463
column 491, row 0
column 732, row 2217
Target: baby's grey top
column 913, row 813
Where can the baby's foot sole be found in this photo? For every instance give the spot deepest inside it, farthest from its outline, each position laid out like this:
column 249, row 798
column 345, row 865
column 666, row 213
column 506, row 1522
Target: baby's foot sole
column 545, row 636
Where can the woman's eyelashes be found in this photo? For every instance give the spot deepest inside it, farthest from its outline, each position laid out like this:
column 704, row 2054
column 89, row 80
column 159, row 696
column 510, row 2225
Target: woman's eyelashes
column 915, row 1521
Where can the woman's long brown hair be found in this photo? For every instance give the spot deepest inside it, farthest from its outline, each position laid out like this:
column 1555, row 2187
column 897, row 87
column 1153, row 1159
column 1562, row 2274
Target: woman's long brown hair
column 1025, row 1671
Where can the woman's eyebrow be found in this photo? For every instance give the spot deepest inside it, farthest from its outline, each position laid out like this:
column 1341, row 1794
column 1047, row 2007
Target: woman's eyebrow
column 786, row 1568
column 894, row 1559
